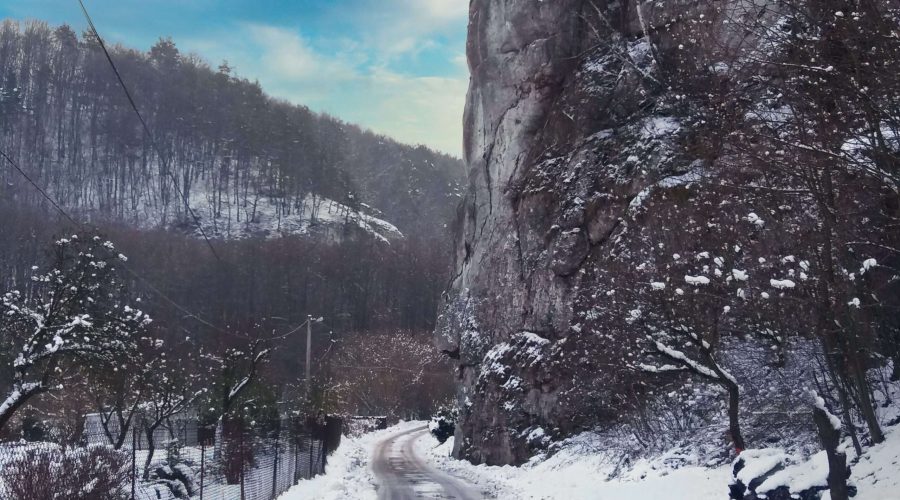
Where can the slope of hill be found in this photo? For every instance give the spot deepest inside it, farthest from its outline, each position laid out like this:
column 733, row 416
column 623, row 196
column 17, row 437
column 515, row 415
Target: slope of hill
column 247, row 163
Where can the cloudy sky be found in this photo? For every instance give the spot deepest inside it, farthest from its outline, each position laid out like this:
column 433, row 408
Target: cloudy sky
column 395, row 66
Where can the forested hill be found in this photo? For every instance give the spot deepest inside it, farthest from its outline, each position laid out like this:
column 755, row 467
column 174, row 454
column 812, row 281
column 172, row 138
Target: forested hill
column 249, row 164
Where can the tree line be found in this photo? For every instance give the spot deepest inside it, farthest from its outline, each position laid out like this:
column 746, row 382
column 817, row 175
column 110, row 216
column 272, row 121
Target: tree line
column 153, row 326
column 216, row 139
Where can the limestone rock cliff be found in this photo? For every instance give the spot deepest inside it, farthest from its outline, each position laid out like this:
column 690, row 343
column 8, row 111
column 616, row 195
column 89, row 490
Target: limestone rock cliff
column 565, row 125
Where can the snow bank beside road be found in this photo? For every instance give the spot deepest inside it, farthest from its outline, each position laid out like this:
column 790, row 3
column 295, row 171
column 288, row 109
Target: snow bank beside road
column 582, row 470
column 575, row 474
column 348, row 475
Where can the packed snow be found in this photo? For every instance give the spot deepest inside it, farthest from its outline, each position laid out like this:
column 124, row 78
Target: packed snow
column 782, row 284
column 348, row 474
column 588, row 466
column 740, row 275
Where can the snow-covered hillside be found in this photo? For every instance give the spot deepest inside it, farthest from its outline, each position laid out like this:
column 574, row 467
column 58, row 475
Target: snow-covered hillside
column 272, row 217
column 263, row 216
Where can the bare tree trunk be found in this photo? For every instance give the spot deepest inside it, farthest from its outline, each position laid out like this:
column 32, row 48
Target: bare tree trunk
column 839, row 379
column 867, row 407
column 151, row 448
column 857, row 353
column 839, row 344
column 838, row 472
column 734, row 423
column 125, row 426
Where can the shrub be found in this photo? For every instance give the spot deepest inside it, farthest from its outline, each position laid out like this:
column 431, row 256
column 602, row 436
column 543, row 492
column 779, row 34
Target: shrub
column 50, row 472
column 443, row 423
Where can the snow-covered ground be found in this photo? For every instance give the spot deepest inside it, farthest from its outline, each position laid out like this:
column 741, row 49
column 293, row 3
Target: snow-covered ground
column 581, row 470
column 317, row 216
column 576, row 473
column 248, row 215
column 348, row 474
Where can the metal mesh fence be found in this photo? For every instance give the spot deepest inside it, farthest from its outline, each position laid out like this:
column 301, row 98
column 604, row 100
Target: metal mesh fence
column 230, row 461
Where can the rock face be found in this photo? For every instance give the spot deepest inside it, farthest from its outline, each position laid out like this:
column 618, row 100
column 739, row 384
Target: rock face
column 565, row 128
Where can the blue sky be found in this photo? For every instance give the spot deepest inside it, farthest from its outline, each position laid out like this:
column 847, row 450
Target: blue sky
column 395, row 66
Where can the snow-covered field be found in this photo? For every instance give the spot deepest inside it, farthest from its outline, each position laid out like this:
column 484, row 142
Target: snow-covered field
column 317, row 216
column 579, row 471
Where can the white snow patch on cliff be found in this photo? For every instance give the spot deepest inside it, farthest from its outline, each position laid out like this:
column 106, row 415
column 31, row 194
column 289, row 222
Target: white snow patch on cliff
column 696, row 280
column 782, row 284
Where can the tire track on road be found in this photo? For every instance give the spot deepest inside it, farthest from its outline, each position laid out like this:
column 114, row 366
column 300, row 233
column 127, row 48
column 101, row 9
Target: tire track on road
column 404, row 475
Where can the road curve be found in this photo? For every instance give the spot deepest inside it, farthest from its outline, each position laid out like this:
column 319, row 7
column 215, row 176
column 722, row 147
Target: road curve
column 403, row 475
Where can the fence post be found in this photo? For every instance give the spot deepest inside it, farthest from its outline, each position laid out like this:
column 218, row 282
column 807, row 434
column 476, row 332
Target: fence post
column 296, row 441
column 202, row 464
column 241, row 448
column 275, row 468
column 310, row 441
column 134, row 443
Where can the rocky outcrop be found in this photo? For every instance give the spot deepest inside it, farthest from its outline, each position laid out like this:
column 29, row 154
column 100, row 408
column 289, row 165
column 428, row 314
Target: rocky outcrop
column 566, row 130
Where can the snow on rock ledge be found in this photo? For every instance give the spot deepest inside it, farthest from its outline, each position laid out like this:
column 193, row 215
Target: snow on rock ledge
column 772, row 474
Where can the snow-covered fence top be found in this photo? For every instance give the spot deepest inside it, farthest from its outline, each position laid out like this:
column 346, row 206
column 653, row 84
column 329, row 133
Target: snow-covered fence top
column 238, row 458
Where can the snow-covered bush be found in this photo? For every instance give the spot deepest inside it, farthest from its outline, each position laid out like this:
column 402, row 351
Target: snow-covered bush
column 443, row 423
column 49, row 472
column 71, row 318
column 177, row 478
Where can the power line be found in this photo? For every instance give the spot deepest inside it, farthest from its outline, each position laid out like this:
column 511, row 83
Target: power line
column 147, row 131
column 71, row 219
column 171, row 301
column 39, row 189
column 131, row 271
column 134, row 273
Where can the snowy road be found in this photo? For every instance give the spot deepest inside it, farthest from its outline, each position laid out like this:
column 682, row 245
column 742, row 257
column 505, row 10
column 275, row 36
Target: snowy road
column 403, row 475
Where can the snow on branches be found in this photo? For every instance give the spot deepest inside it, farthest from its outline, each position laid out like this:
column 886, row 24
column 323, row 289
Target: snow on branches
column 71, row 318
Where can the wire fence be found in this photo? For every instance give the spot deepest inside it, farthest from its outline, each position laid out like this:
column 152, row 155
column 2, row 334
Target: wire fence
column 233, row 460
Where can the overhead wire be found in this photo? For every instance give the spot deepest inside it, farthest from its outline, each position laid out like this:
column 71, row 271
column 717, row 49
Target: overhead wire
column 39, row 188
column 80, row 225
column 188, row 313
column 153, row 142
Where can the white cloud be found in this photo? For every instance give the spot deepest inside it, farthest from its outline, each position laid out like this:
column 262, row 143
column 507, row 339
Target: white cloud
column 433, row 15
column 444, row 9
column 349, row 82
column 402, row 27
column 460, row 61
column 287, row 54
column 420, row 110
